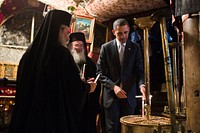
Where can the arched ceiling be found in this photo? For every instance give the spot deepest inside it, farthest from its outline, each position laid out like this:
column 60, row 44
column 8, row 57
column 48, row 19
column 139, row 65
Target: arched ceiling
column 102, row 10
column 12, row 7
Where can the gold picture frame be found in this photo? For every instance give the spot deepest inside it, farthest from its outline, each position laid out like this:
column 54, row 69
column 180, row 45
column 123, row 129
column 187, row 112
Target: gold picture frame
column 8, row 70
column 84, row 24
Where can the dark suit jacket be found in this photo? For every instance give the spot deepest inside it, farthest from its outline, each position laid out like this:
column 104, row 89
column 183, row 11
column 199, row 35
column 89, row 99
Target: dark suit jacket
column 113, row 74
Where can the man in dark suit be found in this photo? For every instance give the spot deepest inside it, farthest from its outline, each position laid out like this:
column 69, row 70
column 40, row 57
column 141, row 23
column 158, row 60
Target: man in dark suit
column 119, row 75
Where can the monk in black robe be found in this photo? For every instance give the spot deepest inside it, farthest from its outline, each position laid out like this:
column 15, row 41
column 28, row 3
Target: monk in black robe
column 49, row 91
column 87, row 69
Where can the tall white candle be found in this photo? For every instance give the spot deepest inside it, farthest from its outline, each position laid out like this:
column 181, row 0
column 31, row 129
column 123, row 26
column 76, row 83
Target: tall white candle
column 83, row 71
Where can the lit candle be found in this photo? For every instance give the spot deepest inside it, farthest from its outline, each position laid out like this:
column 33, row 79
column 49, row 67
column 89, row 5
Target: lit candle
column 97, row 78
column 143, row 107
column 83, row 72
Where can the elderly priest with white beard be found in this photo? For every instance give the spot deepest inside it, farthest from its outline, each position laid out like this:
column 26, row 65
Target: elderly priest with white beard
column 87, row 68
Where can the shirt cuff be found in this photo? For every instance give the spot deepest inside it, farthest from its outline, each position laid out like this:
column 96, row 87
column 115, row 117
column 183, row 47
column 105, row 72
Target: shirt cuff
column 142, row 85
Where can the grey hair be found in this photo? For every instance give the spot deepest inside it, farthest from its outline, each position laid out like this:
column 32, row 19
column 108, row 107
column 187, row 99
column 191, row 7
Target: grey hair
column 120, row 22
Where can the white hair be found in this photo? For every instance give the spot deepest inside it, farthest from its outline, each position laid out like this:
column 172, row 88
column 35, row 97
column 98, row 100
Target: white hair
column 78, row 57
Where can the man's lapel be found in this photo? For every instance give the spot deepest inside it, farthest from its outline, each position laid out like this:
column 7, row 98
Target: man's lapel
column 127, row 54
column 115, row 53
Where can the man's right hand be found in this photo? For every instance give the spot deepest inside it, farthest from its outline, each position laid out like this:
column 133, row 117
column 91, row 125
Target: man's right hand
column 119, row 92
column 92, row 86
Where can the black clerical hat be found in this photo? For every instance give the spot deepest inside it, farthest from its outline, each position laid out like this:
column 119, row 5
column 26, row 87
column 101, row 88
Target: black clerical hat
column 77, row 36
column 62, row 16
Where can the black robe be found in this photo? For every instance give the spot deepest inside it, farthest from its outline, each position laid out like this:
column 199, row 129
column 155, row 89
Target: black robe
column 49, row 91
column 92, row 106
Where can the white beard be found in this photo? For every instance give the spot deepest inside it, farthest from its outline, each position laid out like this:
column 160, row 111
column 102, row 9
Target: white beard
column 78, row 57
